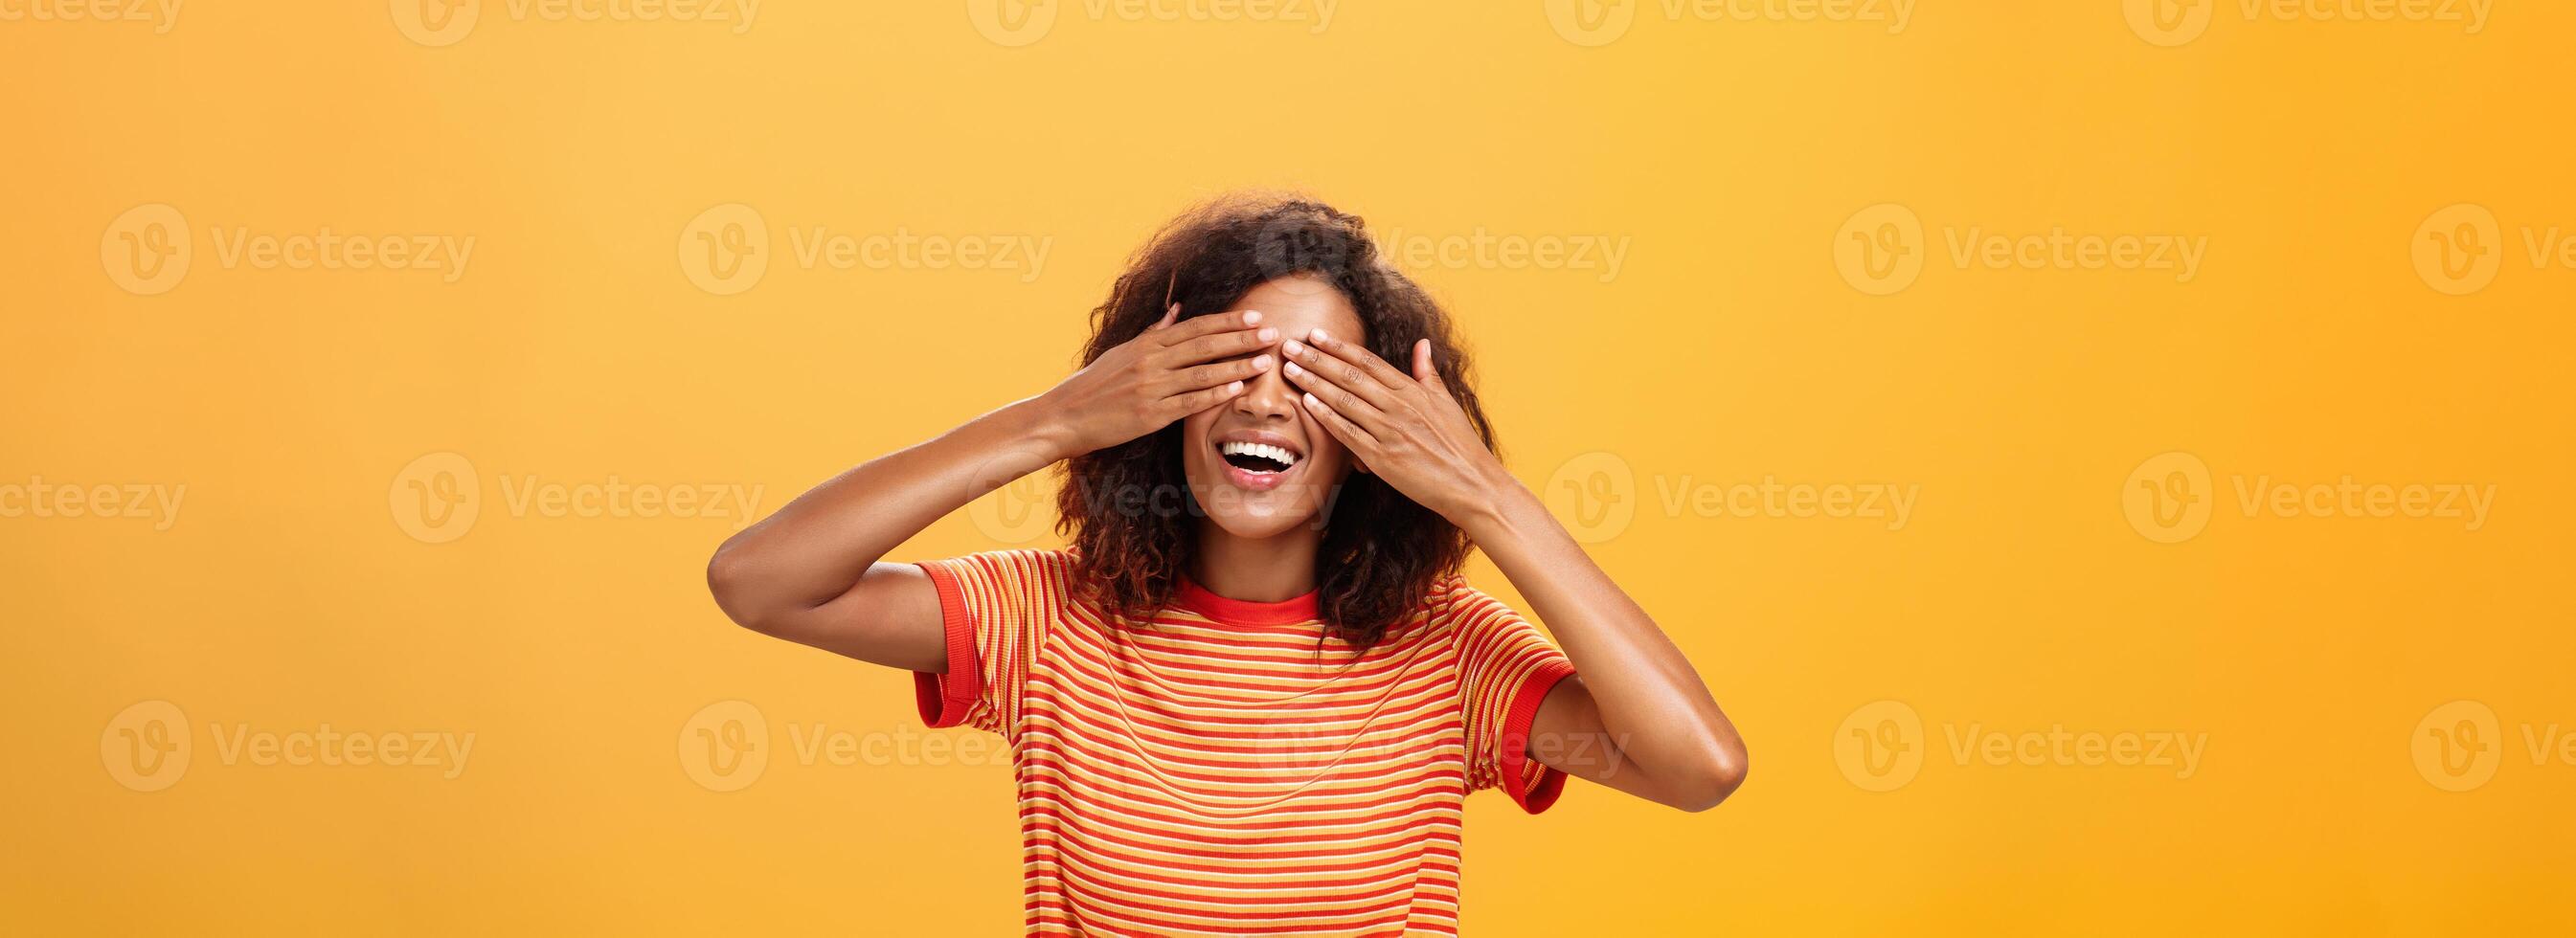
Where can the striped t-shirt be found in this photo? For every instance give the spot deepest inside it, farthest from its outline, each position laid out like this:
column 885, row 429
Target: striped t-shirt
column 1217, row 772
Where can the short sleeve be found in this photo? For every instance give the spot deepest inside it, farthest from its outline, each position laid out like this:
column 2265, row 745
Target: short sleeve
column 996, row 609
column 1505, row 669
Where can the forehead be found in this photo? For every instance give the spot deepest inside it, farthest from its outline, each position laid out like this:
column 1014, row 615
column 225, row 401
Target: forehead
column 1298, row 304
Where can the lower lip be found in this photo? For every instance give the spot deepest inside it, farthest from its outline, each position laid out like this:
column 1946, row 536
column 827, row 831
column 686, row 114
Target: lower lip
column 1255, row 481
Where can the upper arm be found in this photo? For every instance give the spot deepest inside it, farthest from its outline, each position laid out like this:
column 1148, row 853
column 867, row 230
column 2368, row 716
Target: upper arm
column 1568, row 736
column 890, row 617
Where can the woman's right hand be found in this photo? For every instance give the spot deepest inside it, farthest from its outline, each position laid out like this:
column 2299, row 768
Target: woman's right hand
column 1165, row 373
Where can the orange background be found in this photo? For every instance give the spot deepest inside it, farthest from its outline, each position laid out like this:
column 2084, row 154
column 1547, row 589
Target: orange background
column 304, row 581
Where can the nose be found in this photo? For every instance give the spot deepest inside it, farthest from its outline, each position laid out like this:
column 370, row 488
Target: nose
column 1268, row 396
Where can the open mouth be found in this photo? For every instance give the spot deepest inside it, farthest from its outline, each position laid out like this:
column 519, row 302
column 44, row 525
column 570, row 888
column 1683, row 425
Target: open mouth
column 1257, row 458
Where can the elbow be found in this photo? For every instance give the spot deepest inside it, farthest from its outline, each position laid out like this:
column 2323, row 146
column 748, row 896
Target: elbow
column 1719, row 773
column 728, row 580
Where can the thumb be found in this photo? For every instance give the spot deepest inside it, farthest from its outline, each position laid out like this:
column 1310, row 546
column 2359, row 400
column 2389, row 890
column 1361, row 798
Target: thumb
column 1422, row 369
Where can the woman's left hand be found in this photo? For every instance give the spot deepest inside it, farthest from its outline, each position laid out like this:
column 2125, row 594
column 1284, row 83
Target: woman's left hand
column 1405, row 428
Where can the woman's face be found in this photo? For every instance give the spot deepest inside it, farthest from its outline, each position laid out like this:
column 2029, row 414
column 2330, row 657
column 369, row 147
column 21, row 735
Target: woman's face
column 1259, row 464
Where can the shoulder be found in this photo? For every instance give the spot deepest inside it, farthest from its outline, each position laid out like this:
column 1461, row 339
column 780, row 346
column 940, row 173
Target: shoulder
column 1026, row 573
column 1453, row 606
column 1052, row 564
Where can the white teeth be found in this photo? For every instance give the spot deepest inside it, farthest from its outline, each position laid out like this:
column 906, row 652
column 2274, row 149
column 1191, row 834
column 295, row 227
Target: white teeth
column 1276, row 454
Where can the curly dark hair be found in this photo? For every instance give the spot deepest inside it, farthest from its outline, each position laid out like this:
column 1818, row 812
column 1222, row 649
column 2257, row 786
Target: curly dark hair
column 1381, row 552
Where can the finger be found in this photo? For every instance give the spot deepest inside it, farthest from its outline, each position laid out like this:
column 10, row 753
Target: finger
column 1342, row 400
column 1170, row 314
column 1221, row 345
column 1358, row 356
column 1424, row 371
column 1183, row 405
column 1215, row 373
column 1351, row 434
column 1209, row 324
column 1342, row 374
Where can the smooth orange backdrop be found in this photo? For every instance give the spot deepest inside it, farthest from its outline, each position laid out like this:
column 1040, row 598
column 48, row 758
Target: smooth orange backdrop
column 286, row 442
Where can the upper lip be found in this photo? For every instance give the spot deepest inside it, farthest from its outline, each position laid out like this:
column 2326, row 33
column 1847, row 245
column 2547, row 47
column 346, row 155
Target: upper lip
column 1260, row 436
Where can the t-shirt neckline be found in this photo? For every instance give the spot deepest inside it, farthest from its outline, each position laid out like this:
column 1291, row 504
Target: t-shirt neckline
column 1196, row 598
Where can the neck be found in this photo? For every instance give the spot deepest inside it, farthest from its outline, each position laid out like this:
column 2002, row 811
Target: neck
column 1273, row 569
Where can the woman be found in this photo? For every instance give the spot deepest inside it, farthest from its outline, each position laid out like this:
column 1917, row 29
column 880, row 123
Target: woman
column 1253, row 692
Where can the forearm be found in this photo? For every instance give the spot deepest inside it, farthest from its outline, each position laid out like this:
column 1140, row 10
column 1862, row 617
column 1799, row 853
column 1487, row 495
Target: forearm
column 1655, row 709
column 817, row 547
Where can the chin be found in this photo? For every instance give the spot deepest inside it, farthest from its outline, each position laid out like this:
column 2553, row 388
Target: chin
column 1254, row 522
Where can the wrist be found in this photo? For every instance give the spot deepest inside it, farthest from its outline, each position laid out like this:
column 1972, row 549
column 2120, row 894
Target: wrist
column 1044, row 424
column 1497, row 506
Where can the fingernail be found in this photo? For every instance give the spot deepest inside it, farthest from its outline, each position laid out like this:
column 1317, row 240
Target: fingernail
column 1251, row 316
column 1312, row 402
column 1234, row 387
column 1294, row 371
column 1294, row 348
column 1269, row 335
column 1261, row 362
column 1321, row 338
